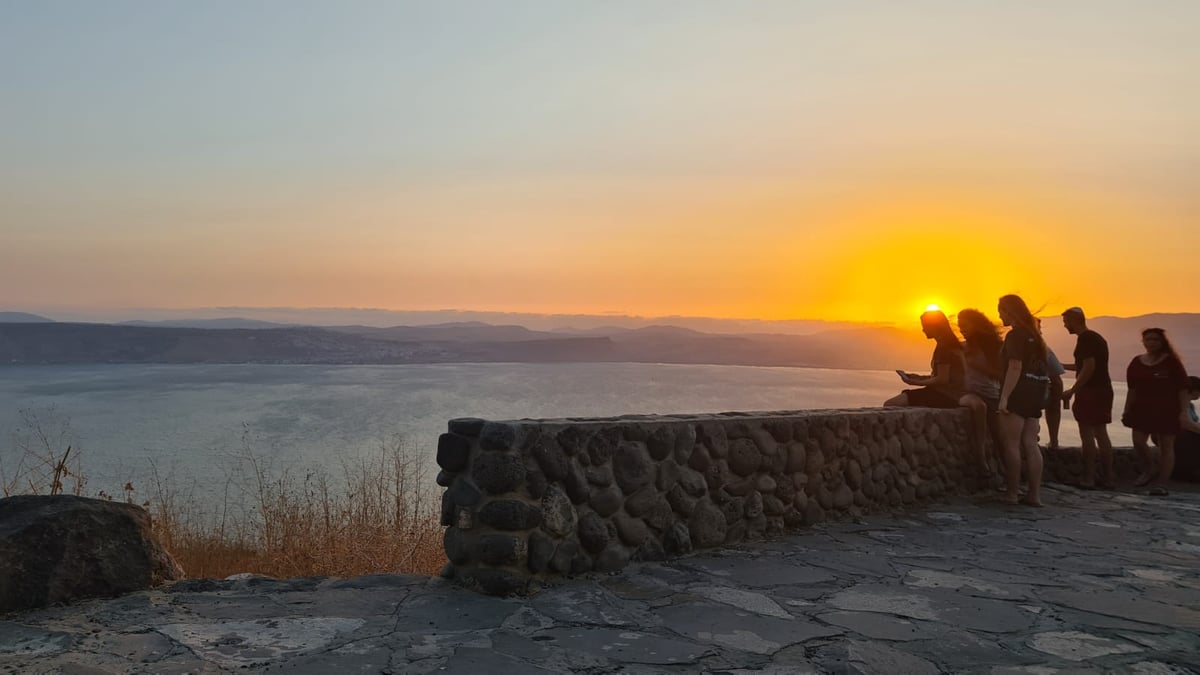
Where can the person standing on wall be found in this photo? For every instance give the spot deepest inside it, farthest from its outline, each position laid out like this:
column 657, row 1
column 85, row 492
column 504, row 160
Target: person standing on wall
column 1093, row 394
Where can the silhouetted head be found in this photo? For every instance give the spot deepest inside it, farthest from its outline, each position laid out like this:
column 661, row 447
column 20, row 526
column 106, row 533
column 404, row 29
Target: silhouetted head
column 1155, row 342
column 937, row 327
column 1014, row 312
column 973, row 323
column 1074, row 320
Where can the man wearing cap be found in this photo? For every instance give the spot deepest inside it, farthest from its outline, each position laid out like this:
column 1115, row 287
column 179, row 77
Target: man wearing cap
column 1093, row 395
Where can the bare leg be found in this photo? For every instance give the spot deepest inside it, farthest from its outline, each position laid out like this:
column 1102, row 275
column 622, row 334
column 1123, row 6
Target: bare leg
column 898, row 401
column 1011, row 427
column 1166, row 459
column 979, row 427
column 1106, row 455
column 1033, row 461
column 1087, row 434
column 1054, row 409
column 1141, row 442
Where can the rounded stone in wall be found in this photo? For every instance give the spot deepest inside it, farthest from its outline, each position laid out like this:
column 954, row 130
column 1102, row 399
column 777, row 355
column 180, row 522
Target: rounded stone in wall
column 593, row 532
column 685, row 441
column 668, row 475
column 780, row 430
column 602, row 446
column 632, row 467
column 541, row 552
column 573, row 440
column 681, row 502
column 814, row 461
column 576, row 484
column 707, row 525
column 496, row 436
column 558, row 514
column 813, row 513
column 700, row 459
column 853, row 473
column 497, row 473
column 650, row 551
column 754, row 505
column 606, row 501
column 677, row 540
column 612, row 558
column 459, row 546
column 644, row 500
column 453, row 452
column 692, row 482
column 772, row 505
column 744, row 457
column 713, row 436
column 765, row 483
column 599, row 475
column 843, row 497
column 510, row 514
column 466, row 426
column 661, row 442
column 632, row 531
column 550, row 458
column 739, row 488
column 501, row 549
column 766, row 443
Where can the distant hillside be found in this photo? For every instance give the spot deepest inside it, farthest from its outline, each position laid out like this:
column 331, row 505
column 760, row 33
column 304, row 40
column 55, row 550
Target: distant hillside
column 228, row 322
column 861, row 347
column 23, row 317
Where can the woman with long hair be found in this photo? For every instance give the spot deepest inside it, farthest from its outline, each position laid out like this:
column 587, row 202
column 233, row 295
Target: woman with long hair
column 1023, row 390
column 944, row 385
column 1156, row 403
column 981, row 350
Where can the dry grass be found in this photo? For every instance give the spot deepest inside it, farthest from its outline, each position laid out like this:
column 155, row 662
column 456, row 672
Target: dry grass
column 377, row 517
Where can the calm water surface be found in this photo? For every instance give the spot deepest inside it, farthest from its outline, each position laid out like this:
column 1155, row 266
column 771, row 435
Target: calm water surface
column 190, row 420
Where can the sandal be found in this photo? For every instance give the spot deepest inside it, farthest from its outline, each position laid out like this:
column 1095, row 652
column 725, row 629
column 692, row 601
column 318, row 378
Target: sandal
column 1158, row 491
column 1142, row 480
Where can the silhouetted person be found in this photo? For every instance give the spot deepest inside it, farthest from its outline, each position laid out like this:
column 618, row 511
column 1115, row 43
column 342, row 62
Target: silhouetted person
column 1187, row 443
column 944, row 386
column 981, row 349
column 1023, row 392
column 1156, row 405
column 1093, row 394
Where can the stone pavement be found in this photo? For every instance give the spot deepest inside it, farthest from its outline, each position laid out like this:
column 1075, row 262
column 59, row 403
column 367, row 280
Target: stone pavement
column 1095, row 582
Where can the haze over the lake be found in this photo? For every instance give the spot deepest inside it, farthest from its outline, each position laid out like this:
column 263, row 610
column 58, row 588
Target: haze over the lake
column 776, row 160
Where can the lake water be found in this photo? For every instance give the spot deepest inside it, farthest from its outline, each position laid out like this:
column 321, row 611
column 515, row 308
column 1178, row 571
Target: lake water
column 190, row 420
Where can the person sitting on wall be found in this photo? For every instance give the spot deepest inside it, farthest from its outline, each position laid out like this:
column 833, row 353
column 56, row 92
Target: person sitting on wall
column 1187, row 443
column 981, row 349
column 946, row 384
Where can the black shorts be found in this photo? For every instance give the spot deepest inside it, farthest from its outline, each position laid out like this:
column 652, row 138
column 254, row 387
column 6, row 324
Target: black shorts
column 1028, row 398
column 928, row 397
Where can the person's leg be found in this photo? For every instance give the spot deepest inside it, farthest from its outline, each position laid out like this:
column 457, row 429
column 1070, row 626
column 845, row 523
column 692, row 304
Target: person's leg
column 1054, row 409
column 1087, row 436
column 1032, row 455
column 979, row 428
column 1141, row 443
column 1107, row 472
column 1011, row 427
column 898, row 401
column 1166, row 459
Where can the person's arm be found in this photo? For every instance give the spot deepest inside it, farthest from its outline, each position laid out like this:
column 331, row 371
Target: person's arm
column 1189, row 424
column 1086, row 370
column 1131, row 392
column 1010, row 382
column 1185, row 420
column 1068, row 366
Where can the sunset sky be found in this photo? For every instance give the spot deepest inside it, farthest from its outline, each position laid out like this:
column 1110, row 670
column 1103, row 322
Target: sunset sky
column 806, row 160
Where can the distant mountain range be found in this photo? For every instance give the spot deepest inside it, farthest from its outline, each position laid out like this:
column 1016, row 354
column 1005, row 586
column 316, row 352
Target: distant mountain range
column 27, row 339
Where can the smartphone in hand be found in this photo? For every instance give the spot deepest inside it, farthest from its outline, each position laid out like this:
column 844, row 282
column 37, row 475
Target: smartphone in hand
column 903, row 375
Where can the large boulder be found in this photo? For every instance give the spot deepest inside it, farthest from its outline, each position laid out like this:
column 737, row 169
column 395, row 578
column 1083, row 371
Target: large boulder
column 55, row 549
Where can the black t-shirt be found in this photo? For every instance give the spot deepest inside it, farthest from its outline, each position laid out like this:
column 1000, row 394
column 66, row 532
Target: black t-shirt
column 1021, row 345
column 1091, row 345
column 951, row 355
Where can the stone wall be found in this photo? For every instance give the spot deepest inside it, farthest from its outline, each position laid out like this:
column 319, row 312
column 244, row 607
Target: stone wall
column 533, row 499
